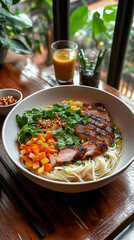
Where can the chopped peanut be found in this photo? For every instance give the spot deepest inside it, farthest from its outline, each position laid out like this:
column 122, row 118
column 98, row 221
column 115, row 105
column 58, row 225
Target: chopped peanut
column 7, row 100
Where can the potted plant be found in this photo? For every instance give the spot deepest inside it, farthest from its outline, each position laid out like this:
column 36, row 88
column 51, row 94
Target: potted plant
column 12, row 27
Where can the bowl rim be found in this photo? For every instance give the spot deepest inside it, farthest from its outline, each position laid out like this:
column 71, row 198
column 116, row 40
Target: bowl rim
column 15, row 90
column 23, row 169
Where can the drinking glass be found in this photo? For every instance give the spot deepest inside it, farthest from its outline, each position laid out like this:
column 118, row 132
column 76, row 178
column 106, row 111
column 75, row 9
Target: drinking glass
column 88, row 76
column 64, row 54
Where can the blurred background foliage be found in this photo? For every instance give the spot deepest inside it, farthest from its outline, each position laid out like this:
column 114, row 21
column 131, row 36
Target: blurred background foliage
column 89, row 28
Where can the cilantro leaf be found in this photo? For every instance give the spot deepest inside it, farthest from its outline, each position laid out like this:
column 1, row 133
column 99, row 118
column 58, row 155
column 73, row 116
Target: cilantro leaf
column 21, row 121
column 28, row 131
column 64, row 138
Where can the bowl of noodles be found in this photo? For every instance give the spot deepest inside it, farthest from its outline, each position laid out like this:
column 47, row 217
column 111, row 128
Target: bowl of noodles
column 70, row 138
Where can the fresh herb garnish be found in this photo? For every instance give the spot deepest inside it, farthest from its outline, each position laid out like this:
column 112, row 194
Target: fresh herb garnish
column 113, row 144
column 28, row 123
column 106, row 156
column 64, row 138
column 80, row 163
column 28, row 131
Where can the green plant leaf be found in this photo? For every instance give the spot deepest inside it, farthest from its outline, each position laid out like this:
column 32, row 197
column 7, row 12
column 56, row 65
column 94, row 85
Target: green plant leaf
column 97, row 24
column 109, row 13
column 78, row 19
column 28, row 41
column 19, row 21
column 16, row 46
column 7, row 2
column 4, row 42
column 15, row 1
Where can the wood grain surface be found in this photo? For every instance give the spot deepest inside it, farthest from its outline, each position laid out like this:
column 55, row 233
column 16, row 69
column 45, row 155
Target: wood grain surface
column 95, row 215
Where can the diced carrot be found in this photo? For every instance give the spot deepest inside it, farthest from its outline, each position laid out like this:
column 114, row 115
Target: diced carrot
column 49, row 155
column 36, row 165
column 33, row 156
column 23, row 151
column 37, row 152
column 51, row 150
column 25, row 157
column 29, row 163
column 51, row 141
column 42, row 148
column 39, row 142
column 22, row 146
column 41, row 169
column 44, row 161
column 27, row 149
column 41, row 137
column 34, row 140
column 48, row 135
column 29, row 142
column 48, row 167
column 35, row 149
column 41, row 155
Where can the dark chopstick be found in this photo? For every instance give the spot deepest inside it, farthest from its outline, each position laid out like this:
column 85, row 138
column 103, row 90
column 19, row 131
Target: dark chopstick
column 23, row 207
column 29, row 197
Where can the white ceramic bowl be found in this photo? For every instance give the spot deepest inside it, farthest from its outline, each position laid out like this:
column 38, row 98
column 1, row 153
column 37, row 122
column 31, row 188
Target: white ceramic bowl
column 5, row 109
column 120, row 113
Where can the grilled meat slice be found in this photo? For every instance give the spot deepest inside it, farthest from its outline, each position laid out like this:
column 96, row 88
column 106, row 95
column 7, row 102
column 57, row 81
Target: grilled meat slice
column 83, row 151
column 99, row 121
column 102, row 124
column 93, row 133
column 97, row 109
column 98, row 133
column 67, row 154
column 94, row 148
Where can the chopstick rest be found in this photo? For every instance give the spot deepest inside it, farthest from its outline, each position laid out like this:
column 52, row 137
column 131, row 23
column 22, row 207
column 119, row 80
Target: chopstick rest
column 36, row 206
column 32, row 220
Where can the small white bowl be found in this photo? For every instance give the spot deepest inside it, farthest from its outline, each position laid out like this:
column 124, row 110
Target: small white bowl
column 5, row 109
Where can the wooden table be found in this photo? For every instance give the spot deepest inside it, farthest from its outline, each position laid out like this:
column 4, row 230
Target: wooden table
column 95, row 215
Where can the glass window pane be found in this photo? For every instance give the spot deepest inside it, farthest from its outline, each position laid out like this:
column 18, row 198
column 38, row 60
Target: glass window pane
column 92, row 26
column 127, row 80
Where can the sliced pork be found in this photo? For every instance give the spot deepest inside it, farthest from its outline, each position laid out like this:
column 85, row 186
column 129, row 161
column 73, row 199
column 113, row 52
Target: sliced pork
column 67, row 154
column 98, row 134
column 97, row 109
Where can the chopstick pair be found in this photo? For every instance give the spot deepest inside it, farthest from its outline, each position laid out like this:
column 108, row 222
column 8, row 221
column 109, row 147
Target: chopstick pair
column 44, row 217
